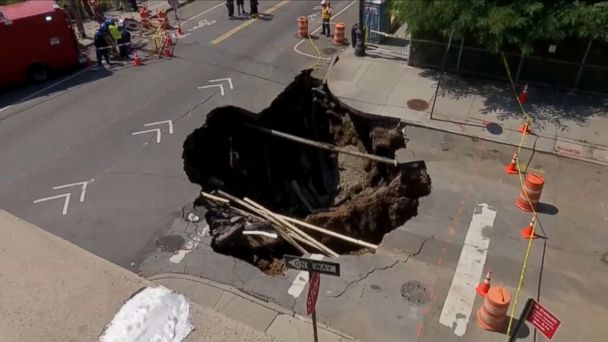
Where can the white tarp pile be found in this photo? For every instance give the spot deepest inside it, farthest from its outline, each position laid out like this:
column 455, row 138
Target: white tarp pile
column 153, row 314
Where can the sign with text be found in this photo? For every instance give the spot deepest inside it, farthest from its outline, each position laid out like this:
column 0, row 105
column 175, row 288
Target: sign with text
column 310, row 265
column 313, row 292
column 543, row 320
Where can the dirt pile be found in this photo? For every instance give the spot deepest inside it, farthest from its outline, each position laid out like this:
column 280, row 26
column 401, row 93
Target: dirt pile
column 350, row 195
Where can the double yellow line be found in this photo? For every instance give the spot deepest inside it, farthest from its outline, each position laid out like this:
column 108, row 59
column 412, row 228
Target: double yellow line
column 247, row 23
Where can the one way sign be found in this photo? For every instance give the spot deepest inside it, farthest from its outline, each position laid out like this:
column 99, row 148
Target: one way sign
column 303, row 264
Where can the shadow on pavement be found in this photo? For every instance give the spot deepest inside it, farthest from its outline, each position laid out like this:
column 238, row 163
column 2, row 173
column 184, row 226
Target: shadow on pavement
column 19, row 93
column 546, row 208
column 544, row 104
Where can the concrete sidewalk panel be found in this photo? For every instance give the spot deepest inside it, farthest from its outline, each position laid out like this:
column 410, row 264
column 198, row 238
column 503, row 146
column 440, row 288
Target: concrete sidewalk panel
column 197, row 291
column 52, row 290
column 255, row 315
column 292, row 329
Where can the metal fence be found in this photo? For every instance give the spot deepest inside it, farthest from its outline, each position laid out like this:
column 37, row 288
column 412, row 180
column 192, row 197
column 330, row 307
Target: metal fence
column 573, row 64
column 562, row 70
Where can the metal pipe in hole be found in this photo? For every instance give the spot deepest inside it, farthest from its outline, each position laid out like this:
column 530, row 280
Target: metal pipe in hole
column 322, row 145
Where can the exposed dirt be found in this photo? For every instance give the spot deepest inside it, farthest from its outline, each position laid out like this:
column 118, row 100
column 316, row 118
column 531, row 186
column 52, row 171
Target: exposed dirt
column 347, row 194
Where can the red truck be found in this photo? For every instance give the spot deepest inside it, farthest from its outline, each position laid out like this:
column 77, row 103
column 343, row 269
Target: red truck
column 36, row 37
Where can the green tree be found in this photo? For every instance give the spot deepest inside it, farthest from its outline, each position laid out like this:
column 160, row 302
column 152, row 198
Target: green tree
column 497, row 24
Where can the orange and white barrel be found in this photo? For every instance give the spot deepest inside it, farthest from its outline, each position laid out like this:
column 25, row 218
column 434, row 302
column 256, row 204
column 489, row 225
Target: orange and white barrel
column 532, row 190
column 339, row 34
column 493, row 312
column 303, row 27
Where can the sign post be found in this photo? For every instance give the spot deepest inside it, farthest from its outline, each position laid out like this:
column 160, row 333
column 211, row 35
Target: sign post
column 311, row 300
column 314, row 268
column 543, row 320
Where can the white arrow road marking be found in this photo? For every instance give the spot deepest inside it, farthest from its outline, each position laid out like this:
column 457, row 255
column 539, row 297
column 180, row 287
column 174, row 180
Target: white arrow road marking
column 68, row 196
column 221, row 86
column 461, row 296
column 224, row 79
column 214, row 85
column 66, row 202
column 298, row 284
column 156, row 130
column 82, row 191
column 168, row 122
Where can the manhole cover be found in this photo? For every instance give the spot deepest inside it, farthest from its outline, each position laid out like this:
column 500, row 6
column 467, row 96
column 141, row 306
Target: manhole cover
column 170, row 243
column 417, row 104
column 329, row 51
column 415, row 293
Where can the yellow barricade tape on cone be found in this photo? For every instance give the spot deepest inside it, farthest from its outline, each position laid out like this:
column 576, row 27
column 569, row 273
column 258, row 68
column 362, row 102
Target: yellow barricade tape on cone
column 521, row 181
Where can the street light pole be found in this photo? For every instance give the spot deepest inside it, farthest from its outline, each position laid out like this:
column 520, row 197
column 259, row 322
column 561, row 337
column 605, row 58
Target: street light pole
column 360, row 44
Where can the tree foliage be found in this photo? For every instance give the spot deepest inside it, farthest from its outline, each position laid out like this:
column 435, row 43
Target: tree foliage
column 496, row 24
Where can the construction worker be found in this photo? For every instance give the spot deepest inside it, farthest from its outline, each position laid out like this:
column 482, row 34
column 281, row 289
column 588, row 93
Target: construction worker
column 326, row 16
column 253, row 5
column 125, row 42
column 101, row 47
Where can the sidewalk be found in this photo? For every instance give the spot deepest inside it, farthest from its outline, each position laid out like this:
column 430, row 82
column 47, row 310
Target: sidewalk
column 51, row 290
column 570, row 125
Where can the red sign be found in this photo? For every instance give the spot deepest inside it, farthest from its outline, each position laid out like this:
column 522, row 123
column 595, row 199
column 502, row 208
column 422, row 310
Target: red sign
column 313, row 292
column 543, row 320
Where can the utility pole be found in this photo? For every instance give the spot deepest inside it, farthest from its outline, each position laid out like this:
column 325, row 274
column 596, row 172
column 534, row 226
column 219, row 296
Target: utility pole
column 75, row 9
column 360, row 34
column 445, row 58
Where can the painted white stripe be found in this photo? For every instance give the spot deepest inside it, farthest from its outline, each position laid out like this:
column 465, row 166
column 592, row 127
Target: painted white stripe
column 204, row 12
column 461, row 296
column 298, row 284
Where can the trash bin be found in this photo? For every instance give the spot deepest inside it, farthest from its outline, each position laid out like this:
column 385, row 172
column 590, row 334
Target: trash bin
column 376, row 17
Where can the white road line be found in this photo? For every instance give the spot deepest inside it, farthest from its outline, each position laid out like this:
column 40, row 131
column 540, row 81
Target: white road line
column 295, row 48
column 168, row 122
column 203, row 12
column 66, row 201
column 53, row 85
column 298, row 284
column 461, row 296
column 83, row 189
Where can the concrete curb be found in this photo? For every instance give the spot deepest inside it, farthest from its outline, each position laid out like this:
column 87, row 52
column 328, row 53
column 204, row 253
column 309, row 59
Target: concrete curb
column 279, row 310
column 529, row 145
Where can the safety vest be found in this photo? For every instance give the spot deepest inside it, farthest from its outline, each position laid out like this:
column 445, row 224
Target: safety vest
column 114, row 32
column 326, row 13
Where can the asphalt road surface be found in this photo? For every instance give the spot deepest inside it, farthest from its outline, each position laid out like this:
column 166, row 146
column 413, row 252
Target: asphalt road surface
column 75, row 159
column 81, row 130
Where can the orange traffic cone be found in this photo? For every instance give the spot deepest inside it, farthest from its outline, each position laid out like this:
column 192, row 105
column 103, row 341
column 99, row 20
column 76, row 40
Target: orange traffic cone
column 525, row 128
column 484, row 286
column 511, row 168
column 136, row 60
column 523, row 95
column 526, row 232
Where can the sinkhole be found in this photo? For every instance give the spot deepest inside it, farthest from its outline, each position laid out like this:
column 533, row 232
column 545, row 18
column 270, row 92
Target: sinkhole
column 280, row 159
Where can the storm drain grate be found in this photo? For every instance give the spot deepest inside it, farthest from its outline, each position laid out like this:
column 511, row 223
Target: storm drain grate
column 417, row 104
column 415, row 293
